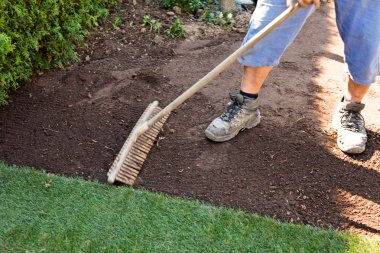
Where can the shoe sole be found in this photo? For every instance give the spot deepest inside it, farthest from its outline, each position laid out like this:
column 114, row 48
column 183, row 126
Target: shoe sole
column 212, row 137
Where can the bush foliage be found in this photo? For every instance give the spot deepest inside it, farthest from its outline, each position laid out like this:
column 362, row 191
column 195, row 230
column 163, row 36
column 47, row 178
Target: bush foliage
column 185, row 5
column 36, row 34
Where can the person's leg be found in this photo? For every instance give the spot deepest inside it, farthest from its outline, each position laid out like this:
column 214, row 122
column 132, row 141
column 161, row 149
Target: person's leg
column 359, row 26
column 242, row 111
column 254, row 78
column 355, row 92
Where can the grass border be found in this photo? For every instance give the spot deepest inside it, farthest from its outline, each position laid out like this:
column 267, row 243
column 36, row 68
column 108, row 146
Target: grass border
column 44, row 212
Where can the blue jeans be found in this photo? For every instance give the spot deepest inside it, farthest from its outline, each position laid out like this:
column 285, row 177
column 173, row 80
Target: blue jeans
column 358, row 23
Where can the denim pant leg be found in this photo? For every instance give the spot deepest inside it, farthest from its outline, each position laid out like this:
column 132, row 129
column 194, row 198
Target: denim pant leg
column 270, row 49
column 359, row 26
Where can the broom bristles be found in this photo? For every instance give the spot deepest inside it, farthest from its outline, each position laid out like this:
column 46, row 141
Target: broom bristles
column 135, row 158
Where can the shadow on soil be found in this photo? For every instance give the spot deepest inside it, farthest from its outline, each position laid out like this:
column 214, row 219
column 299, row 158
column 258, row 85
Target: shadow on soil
column 289, row 169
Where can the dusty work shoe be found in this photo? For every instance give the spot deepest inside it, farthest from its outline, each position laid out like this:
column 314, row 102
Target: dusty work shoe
column 352, row 136
column 241, row 114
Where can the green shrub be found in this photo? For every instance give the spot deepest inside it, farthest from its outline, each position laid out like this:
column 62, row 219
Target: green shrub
column 176, row 30
column 38, row 34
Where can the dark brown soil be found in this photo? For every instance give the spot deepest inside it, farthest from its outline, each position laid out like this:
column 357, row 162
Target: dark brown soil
column 74, row 121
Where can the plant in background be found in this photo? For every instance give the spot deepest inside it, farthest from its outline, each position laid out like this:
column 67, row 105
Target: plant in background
column 153, row 24
column 176, row 30
column 157, row 27
column 116, row 22
column 208, row 16
column 147, row 20
column 185, row 5
column 219, row 18
column 194, row 5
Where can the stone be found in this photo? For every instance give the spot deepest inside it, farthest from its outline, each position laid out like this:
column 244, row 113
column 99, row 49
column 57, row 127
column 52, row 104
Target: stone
column 200, row 12
column 158, row 39
column 227, row 5
column 177, row 10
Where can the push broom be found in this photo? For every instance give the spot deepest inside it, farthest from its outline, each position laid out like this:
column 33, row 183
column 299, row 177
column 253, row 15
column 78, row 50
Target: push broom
column 135, row 150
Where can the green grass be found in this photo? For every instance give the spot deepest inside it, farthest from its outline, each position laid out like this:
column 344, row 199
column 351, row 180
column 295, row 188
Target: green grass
column 40, row 212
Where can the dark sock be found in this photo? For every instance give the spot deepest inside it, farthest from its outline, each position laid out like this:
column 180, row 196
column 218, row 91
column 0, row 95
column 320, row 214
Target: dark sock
column 249, row 95
column 344, row 99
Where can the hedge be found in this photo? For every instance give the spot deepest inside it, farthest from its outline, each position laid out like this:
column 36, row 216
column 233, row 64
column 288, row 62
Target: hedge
column 43, row 34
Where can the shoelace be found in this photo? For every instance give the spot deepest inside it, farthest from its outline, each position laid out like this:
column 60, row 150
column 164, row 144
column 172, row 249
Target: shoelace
column 232, row 110
column 352, row 121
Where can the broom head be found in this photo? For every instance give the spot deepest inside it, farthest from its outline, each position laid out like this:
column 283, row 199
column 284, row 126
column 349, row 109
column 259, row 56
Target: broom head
column 128, row 171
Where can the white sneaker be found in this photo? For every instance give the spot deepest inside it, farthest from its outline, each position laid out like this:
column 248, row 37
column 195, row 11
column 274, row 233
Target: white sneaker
column 352, row 136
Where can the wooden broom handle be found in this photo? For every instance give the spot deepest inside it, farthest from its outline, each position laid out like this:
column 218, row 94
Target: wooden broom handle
column 226, row 63
column 198, row 85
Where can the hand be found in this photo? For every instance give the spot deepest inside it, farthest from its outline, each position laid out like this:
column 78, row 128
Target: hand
column 304, row 3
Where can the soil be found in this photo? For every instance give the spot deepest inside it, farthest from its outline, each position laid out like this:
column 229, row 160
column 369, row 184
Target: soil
column 73, row 122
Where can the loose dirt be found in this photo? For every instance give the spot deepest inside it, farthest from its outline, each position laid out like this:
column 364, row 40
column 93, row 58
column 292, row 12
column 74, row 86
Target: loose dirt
column 73, row 122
